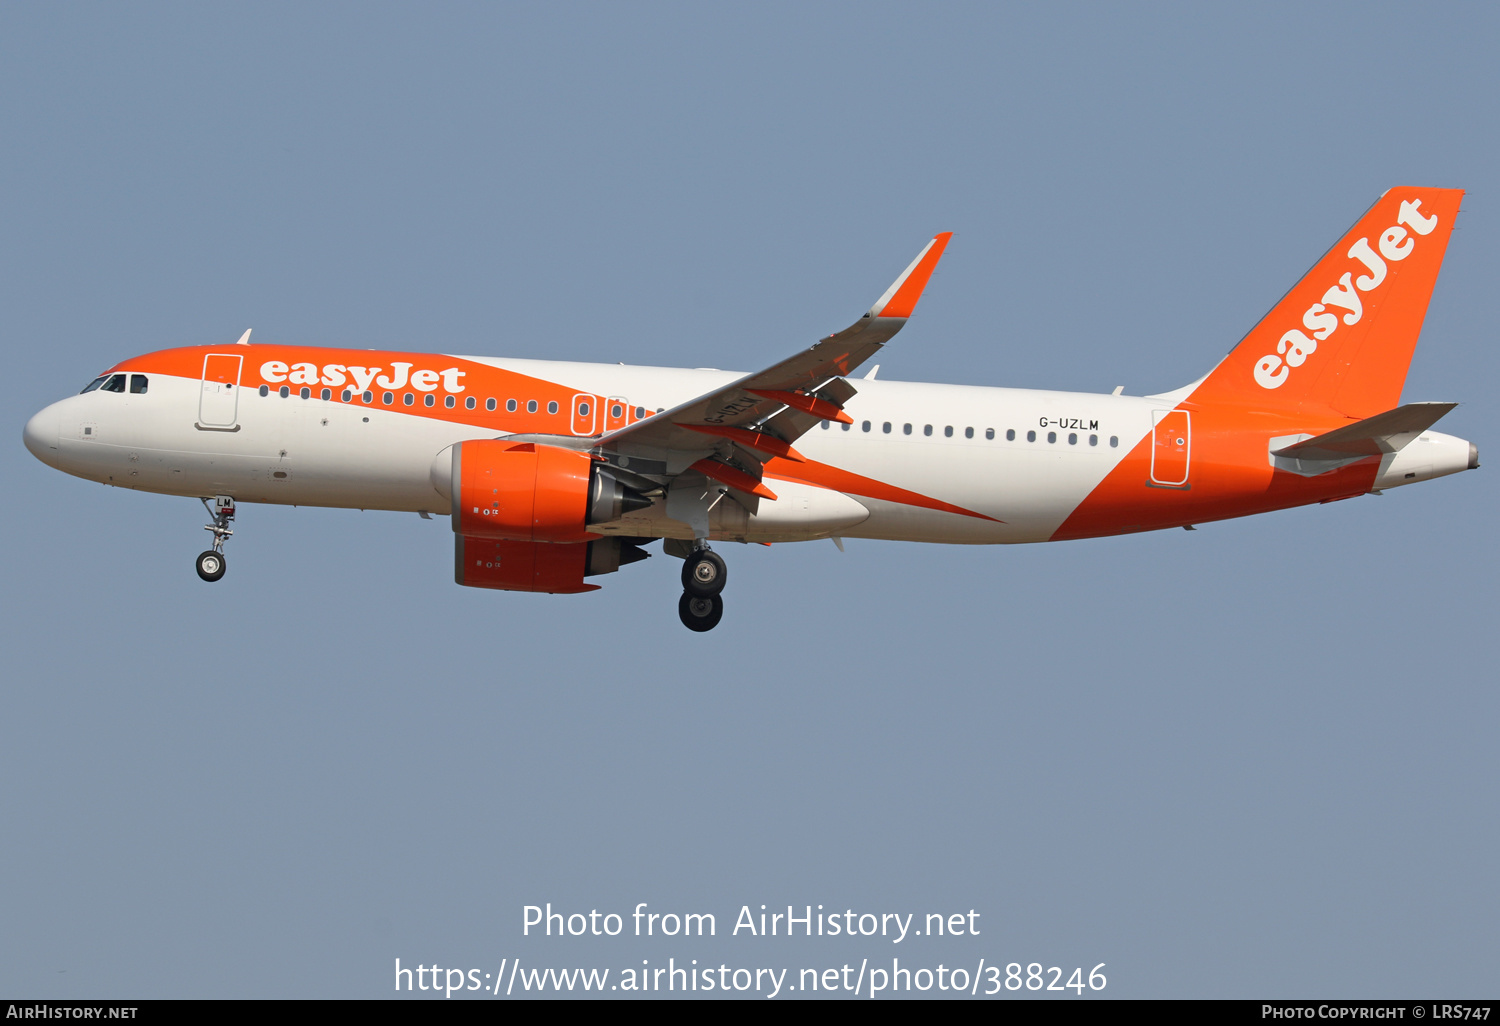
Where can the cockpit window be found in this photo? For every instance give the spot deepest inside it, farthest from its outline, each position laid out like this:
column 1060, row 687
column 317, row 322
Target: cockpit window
column 137, row 384
column 116, row 383
column 95, row 383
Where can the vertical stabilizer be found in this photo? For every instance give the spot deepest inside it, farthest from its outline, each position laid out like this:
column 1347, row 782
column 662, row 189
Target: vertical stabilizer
column 1342, row 338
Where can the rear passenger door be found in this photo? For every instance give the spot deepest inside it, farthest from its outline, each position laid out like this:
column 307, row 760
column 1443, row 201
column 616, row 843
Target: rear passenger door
column 1171, row 448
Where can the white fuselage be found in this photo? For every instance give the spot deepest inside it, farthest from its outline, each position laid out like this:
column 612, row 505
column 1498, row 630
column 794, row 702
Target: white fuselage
column 1012, row 464
column 948, row 441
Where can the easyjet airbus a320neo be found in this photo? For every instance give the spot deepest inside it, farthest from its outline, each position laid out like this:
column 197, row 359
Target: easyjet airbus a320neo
column 553, row 473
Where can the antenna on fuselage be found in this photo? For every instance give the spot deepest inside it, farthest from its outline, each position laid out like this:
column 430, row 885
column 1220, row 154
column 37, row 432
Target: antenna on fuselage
column 244, row 339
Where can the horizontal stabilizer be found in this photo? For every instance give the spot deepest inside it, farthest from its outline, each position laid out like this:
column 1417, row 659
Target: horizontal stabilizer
column 1374, row 436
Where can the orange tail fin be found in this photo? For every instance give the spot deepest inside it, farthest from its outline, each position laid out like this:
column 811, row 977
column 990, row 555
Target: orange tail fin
column 1342, row 338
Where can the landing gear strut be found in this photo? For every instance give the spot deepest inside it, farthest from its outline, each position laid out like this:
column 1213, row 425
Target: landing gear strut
column 211, row 564
column 703, row 578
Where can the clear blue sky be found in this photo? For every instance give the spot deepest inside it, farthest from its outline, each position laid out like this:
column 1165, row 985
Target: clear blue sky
column 1257, row 759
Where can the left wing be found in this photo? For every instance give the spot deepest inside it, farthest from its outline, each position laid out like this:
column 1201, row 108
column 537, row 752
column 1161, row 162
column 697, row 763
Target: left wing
column 762, row 413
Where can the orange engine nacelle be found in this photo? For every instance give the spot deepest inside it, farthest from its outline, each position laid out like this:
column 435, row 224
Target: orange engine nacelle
column 521, row 513
column 555, row 567
column 521, row 566
column 520, row 491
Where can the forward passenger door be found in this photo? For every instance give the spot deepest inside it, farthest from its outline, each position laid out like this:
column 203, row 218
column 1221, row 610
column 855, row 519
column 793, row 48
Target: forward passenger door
column 218, row 403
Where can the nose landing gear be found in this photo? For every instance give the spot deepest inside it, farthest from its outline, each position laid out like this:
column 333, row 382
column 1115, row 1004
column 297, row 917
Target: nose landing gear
column 703, row 578
column 211, row 564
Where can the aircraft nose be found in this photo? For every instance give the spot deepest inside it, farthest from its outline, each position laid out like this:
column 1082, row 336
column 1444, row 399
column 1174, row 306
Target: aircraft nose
column 40, row 435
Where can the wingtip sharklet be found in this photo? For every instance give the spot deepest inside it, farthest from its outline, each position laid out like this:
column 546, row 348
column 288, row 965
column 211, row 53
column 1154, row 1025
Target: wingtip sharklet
column 901, row 298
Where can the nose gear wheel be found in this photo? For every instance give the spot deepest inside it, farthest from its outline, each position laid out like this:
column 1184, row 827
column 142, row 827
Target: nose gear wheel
column 211, row 565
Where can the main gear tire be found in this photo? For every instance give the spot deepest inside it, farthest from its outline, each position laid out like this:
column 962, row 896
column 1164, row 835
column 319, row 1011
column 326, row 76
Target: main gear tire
column 704, row 573
column 698, row 613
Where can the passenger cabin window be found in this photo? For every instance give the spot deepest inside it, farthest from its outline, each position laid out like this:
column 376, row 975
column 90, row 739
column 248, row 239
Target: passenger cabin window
column 927, row 430
column 284, row 391
column 989, row 434
column 1031, row 436
column 948, row 431
column 489, row 404
column 306, row 392
column 99, row 381
column 1010, row 434
column 408, row 398
column 968, row 432
column 469, row 403
column 865, row 426
column 530, row 405
column 116, row 383
column 510, row 406
column 266, row 390
column 326, row 394
column 906, row 429
column 551, row 407
column 138, row 384
column 449, row 402
column 429, row 399
column 826, row 425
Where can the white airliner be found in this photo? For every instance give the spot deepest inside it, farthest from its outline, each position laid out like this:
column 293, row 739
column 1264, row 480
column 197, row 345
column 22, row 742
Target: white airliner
column 555, row 472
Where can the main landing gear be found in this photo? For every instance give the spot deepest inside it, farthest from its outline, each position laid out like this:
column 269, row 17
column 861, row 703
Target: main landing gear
column 211, row 564
column 703, row 578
